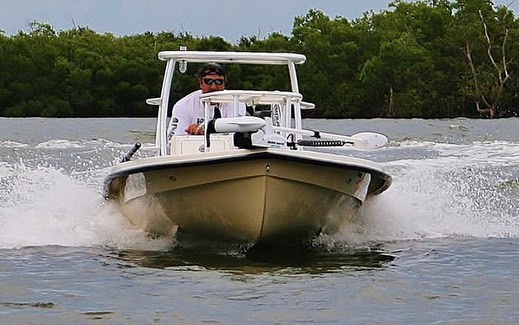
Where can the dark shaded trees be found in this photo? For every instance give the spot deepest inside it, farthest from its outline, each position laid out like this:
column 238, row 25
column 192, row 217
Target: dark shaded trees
column 431, row 58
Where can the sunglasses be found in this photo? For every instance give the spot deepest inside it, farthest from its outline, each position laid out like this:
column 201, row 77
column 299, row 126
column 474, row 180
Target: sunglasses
column 209, row 81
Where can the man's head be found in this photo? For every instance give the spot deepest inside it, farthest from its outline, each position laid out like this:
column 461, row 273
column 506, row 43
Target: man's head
column 212, row 77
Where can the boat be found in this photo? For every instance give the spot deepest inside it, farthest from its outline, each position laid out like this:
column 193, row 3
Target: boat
column 249, row 179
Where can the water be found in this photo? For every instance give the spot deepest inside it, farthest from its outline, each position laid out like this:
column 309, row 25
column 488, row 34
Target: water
column 440, row 246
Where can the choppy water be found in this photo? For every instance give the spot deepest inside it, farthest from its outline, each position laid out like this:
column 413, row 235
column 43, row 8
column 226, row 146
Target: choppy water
column 440, row 246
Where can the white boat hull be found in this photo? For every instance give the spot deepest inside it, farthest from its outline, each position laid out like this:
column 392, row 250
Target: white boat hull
column 245, row 195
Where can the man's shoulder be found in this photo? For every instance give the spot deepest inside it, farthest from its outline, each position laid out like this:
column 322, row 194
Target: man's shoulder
column 190, row 97
column 187, row 105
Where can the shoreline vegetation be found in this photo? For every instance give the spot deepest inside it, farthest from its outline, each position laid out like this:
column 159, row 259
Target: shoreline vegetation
column 422, row 59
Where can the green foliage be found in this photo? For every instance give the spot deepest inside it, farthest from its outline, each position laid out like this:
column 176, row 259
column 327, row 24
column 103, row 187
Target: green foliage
column 409, row 61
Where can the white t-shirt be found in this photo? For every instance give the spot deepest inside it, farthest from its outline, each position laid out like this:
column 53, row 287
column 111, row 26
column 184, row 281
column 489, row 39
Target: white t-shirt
column 190, row 109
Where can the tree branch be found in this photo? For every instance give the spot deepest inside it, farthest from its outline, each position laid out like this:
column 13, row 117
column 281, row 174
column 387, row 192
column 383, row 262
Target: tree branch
column 472, row 67
column 502, row 71
column 489, row 43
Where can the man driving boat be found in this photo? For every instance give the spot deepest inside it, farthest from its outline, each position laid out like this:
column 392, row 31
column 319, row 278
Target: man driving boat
column 188, row 113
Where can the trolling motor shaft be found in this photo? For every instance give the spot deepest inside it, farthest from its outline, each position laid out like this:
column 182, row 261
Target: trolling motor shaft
column 323, row 143
column 128, row 156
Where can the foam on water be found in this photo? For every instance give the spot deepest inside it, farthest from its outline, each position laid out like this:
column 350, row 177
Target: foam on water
column 12, row 144
column 460, row 190
column 44, row 206
column 73, row 144
column 465, row 190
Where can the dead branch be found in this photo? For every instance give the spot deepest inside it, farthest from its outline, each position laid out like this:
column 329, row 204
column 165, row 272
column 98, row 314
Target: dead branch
column 468, row 54
column 489, row 43
column 502, row 68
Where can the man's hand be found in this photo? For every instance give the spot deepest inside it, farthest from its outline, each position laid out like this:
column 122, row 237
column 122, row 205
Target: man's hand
column 195, row 129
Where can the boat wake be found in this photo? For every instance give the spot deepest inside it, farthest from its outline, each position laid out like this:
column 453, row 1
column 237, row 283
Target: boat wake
column 457, row 191
column 42, row 206
column 448, row 191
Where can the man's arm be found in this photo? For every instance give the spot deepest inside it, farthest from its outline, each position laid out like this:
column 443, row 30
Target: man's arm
column 179, row 121
column 183, row 115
